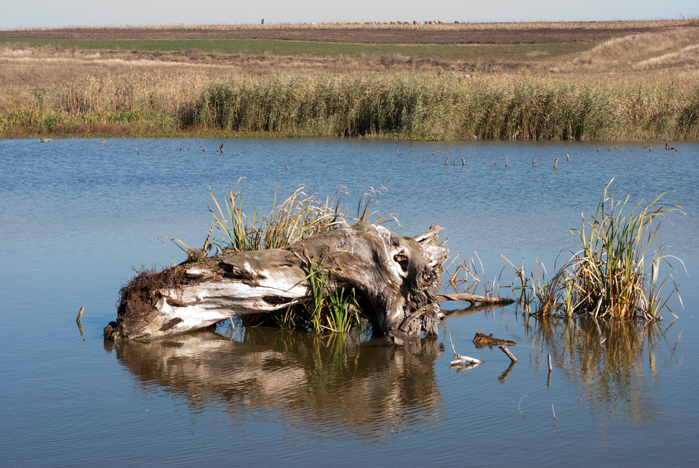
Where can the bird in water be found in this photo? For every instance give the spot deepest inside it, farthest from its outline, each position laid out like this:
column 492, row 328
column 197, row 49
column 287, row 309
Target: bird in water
column 534, row 161
column 555, row 164
column 221, row 148
column 567, row 157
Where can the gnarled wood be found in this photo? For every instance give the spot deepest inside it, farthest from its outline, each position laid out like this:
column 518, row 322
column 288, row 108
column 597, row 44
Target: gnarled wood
column 398, row 277
column 481, row 339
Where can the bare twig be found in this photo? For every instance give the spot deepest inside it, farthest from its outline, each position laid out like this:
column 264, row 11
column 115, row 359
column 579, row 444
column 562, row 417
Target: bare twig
column 460, row 359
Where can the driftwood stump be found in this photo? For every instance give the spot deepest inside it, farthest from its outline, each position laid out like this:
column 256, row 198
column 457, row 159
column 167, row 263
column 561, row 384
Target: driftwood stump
column 397, row 279
column 481, row 339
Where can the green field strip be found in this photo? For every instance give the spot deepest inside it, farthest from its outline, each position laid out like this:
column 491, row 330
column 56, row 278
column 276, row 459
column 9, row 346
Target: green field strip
column 280, row 48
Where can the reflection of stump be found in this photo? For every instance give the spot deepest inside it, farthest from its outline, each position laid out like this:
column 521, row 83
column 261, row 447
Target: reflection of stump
column 397, row 278
column 363, row 391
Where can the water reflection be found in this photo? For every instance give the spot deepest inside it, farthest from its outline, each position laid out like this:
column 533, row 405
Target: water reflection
column 614, row 363
column 332, row 387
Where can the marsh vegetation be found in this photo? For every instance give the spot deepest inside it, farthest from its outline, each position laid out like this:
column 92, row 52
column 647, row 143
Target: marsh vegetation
column 404, row 106
column 641, row 84
column 615, row 274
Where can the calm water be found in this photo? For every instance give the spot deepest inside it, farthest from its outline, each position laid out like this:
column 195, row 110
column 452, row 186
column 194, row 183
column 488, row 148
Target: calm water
column 76, row 216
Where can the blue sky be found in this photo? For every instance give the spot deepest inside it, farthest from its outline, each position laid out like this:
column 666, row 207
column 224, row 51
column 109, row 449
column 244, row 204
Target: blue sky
column 56, row 13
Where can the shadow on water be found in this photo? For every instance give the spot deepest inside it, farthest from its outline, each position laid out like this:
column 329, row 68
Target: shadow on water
column 337, row 387
column 613, row 363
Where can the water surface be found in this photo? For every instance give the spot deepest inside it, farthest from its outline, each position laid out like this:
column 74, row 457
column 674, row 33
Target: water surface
column 76, row 216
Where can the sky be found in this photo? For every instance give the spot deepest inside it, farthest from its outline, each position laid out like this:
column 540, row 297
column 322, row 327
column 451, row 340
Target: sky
column 58, row 13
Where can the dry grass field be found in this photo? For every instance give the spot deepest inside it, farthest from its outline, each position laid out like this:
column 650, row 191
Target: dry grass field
column 152, row 79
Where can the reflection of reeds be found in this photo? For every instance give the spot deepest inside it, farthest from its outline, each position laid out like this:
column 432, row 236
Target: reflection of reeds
column 612, row 275
column 605, row 358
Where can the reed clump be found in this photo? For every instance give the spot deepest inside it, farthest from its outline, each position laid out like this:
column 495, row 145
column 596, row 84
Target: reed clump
column 614, row 274
column 294, row 219
column 328, row 309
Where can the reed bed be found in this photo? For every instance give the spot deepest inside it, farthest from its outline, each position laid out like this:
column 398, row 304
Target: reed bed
column 614, row 274
column 410, row 106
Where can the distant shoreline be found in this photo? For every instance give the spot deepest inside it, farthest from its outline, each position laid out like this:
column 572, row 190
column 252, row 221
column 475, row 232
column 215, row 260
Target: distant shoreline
column 615, row 81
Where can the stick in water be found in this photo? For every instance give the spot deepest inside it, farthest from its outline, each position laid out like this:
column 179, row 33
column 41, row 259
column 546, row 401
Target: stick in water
column 460, row 359
column 80, row 314
column 508, row 352
column 554, row 412
column 550, row 366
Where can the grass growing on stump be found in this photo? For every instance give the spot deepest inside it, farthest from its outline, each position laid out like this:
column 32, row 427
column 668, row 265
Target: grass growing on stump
column 328, row 308
column 296, row 218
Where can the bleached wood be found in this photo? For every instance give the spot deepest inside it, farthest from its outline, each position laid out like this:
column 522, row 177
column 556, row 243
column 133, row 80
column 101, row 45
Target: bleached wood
column 398, row 277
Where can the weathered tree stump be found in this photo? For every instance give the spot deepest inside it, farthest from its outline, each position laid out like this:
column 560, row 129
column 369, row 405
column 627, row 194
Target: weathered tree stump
column 397, row 279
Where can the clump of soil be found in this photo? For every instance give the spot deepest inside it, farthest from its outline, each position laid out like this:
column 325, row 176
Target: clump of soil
column 138, row 298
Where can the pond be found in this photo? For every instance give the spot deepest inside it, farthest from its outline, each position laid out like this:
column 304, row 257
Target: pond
column 77, row 216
